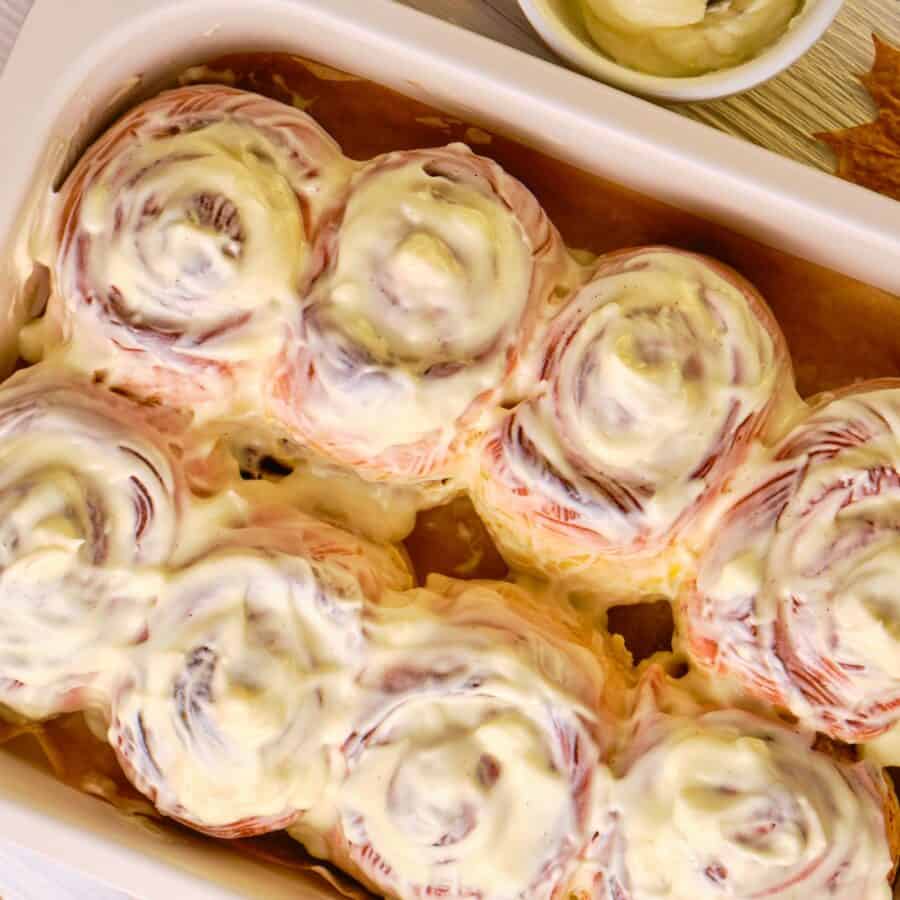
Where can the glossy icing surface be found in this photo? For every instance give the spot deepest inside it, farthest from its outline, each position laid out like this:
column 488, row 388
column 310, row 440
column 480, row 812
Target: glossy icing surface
column 797, row 594
column 229, row 711
column 727, row 804
column 654, row 377
column 91, row 504
column 184, row 239
column 435, row 267
column 469, row 718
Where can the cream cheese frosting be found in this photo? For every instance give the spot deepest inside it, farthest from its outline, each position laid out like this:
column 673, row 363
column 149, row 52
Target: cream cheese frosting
column 436, row 265
column 796, row 596
column 477, row 754
column 686, row 37
column 654, row 377
column 185, row 241
column 232, row 708
column 730, row 805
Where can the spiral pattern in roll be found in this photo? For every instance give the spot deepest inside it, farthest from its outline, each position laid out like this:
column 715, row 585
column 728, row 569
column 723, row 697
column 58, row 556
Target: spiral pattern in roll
column 90, row 497
column 478, row 754
column 727, row 804
column 436, row 266
column 185, row 241
column 798, row 597
column 654, row 378
column 245, row 687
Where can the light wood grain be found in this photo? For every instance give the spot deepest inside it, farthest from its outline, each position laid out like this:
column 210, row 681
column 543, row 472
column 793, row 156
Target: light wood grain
column 818, row 93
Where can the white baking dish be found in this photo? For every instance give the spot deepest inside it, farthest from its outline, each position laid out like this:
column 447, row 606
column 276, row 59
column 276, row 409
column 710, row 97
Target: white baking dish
column 75, row 62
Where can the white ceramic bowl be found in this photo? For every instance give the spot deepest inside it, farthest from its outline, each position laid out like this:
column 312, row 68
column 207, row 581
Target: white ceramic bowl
column 560, row 24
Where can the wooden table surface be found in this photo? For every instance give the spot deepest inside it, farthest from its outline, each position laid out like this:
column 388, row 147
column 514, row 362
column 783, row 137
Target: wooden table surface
column 817, row 94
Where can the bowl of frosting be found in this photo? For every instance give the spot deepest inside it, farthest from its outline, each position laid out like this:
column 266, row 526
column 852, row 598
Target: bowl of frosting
column 681, row 49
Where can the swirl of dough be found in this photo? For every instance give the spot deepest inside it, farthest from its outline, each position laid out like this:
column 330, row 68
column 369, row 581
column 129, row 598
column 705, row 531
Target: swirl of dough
column 435, row 268
column 89, row 495
column 656, row 375
column 730, row 805
column 687, row 38
column 478, row 752
column 797, row 596
column 245, row 686
column 185, row 241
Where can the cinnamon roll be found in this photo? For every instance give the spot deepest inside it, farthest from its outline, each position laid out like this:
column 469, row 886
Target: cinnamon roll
column 727, row 804
column 90, row 502
column 478, row 752
column 653, row 379
column 244, row 690
column 797, row 596
column 436, row 266
column 185, row 241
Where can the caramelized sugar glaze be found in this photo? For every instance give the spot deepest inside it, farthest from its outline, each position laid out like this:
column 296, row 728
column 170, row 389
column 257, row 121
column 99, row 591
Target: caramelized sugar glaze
column 838, row 331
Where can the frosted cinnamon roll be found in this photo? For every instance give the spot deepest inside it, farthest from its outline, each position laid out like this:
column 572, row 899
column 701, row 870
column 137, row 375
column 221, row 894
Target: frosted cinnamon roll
column 244, row 688
column 185, row 240
column 726, row 804
column 652, row 380
column 90, row 500
column 478, row 752
column 435, row 268
column 797, row 596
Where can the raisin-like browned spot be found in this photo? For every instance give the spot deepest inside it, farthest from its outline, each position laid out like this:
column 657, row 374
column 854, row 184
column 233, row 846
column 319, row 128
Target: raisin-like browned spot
column 489, row 770
column 716, row 873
